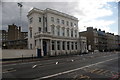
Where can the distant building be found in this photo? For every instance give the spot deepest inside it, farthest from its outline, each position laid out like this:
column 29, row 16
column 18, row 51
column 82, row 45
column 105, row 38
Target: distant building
column 14, row 38
column 83, row 44
column 53, row 32
column 4, row 35
column 92, row 38
column 15, row 44
column 102, row 40
column 99, row 40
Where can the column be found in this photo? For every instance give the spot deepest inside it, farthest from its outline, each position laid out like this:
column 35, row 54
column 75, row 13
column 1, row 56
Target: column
column 61, row 48
column 41, row 46
column 50, row 47
column 38, row 43
column 61, row 42
column 55, row 47
column 66, row 45
column 70, row 46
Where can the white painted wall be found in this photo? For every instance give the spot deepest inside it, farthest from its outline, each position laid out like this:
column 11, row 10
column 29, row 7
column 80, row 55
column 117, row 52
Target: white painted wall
column 9, row 53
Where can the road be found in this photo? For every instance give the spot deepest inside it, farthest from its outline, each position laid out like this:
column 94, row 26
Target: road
column 89, row 66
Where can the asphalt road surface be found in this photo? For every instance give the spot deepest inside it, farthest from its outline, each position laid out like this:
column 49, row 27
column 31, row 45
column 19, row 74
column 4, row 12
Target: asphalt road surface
column 91, row 66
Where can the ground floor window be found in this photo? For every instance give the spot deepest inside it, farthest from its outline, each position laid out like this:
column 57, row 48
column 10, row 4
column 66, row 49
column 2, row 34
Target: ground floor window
column 68, row 47
column 53, row 45
column 76, row 45
column 58, row 45
column 72, row 45
column 63, row 45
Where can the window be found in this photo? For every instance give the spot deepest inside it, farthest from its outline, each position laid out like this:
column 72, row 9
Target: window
column 58, row 31
column 31, row 20
column 67, row 23
column 75, row 33
column 39, row 29
column 35, row 42
column 75, row 25
column 68, row 32
column 63, row 31
column 72, row 45
column 30, row 46
column 53, row 45
column 52, row 19
column 58, row 45
column 71, row 24
column 30, row 33
column 63, row 45
column 76, row 45
column 68, row 46
column 62, row 21
column 39, row 19
column 71, row 33
column 52, row 29
column 58, row 20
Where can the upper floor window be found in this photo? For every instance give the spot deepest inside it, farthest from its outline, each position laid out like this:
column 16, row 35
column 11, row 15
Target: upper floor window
column 71, row 24
column 58, row 31
column 39, row 29
column 68, row 32
column 39, row 19
column 30, row 33
column 67, row 23
column 31, row 20
column 52, row 19
column 30, row 46
column 58, row 20
column 62, row 21
column 75, row 33
column 63, row 31
column 52, row 29
column 71, row 33
column 75, row 25
column 35, row 42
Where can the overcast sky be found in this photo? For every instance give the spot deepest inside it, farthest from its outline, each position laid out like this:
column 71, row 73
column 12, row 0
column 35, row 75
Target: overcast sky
column 101, row 14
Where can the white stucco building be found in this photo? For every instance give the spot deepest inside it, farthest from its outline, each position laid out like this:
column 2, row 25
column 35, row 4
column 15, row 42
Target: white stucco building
column 54, row 32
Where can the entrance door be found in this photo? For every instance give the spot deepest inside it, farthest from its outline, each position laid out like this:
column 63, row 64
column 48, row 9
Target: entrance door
column 38, row 53
column 45, row 48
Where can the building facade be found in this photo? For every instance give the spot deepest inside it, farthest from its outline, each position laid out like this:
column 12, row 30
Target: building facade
column 53, row 32
column 4, row 35
column 83, row 44
column 98, row 40
column 92, row 38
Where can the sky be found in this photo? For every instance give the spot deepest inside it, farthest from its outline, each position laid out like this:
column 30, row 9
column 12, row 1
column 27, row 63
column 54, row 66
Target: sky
column 100, row 14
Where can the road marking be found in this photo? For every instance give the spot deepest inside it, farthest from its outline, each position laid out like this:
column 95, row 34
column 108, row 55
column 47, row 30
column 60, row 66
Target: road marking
column 104, row 72
column 34, row 62
column 57, row 74
column 9, row 70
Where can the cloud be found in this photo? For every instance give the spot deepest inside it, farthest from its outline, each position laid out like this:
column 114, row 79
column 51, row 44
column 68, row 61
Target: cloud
column 87, row 11
column 93, row 10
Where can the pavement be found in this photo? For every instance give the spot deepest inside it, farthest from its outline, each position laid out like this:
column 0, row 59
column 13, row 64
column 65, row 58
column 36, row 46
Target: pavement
column 89, row 66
